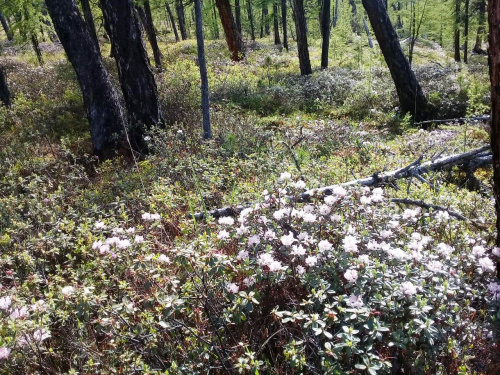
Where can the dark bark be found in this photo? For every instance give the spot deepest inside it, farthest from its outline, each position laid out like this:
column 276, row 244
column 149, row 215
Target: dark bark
column 233, row 37
column 325, row 26
column 237, row 11
column 494, row 65
column 481, row 9
column 147, row 21
column 301, row 31
column 276, row 23
column 89, row 21
column 36, row 47
column 250, row 19
column 101, row 101
column 136, row 78
column 205, row 99
column 6, row 27
column 215, row 24
column 5, row 97
column 284, row 24
column 264, row 23
column 354, row 23
column 457, row 30
column 411, row 97
column 367, row 31
column 179, row 7
column 172, row 21
column 335, row 14
column 466, row 31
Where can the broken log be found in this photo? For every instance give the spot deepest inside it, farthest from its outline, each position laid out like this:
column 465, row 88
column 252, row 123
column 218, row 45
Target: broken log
column 460, row 120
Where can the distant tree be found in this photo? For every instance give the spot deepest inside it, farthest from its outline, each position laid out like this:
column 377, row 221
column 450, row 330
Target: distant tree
column 276, row 24
column 233, row 37
column 6, row 28
column 237, row 11
column 466, row 31
column 147, row 21
column 301, row 30
column 172, row 21
column 5, row 97
column 179, row 7
column 100, row 98
column 251, row 19
column 411, row 97
column 284, row 24
column 325, row 27
column 89, row 20
column 457, row 31
column 136, row 78
column 481, row 10
column 494, row 64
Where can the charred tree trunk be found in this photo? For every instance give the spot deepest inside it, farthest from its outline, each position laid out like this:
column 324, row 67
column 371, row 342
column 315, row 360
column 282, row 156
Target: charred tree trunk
column 172, row 21
column 179, row 7
column 100, row 98
column 205, row 99
column 283, row 24
column 147, row 21
column 481, row 9
column 233, row 37
column 325, row 26
column 411, row 97
column 136, row 78
column 6, row 28
column 335, row 14
column 36, row 47
column 250, row 19
column 457, row 30
column 5, row 97
column 89, row 20
column 215, row 23
column 301, row 31
column 466, row 32
column 494, row 63
column 264, row 23
column 276, row 25
column 237, row 10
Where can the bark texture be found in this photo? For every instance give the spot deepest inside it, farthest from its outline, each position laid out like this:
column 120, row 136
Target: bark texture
column 250, row 19
column 4, row 88
column 494, row 64
column 89, row 20
column 481, row 9
column 179, row 7
column 325, row 27
column 136, row 78
column 410, row 94
column 172, row 21
column 147, row 21
column 457, row 30
column 6, row 27
column 301, row 30
column 233, row 37
column 284, row 24
column 100, row 98
column 276, row 25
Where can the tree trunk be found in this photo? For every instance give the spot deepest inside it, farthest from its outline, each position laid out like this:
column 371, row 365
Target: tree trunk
column 36, row 47
column 237, row 10
column 250, row 19
column 283, row 24
column 179, row 7
column 466, row 32
column 301, row 31
column 101, row 101
column 147, row 21
column 136, row 78
column 335, row 14
column 6, row 28
column 215, row 24
column 325, row 26
column 276, row 23
column 233, row 37
column 494, row 64
column 89, row 20
column 205, row 99
column 172, row 21
column 264, row 23
column 480, row 29
column 5, row 97
column 457, row 30
column 411, row 97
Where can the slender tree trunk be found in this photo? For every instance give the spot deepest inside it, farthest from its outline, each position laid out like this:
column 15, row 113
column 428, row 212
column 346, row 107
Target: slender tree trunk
column 6, row 28
column 216, row 24
column 335, row 14
column 147, row 21
column 466, row 32
column 136, row 78
column 325, row 26
column 457, row 30
column 411, row 97
column 264, row 23
column 276, row 23
column 100, row 98
column 5, row 97
column 250, row 19
column 283, row 24
column 89, row 20
column 494, row 64
column 205, row 99
column 233, row 37
column 179, row 7
column 36, row 47
column 237, row 10
column 354, row 22
column 301, row 31
column 480, row 29
column 172, row 21
column 367, row 31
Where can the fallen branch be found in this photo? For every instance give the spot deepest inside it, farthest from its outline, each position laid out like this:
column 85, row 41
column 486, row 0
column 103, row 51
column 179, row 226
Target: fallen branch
column 460, row 120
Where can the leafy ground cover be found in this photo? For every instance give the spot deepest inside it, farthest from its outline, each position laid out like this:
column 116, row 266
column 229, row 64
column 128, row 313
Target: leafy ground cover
column 102, row 270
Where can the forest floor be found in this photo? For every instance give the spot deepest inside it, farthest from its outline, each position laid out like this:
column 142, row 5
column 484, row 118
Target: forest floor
column 146, row 306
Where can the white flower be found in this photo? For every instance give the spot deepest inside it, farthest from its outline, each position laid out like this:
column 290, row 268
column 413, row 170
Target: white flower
column 445, row 250
column 41, row 334
column 386, row 233
column 249, row 281
column 163, row 259
column 223, row 235
column 365, row 200
column 242, row 255
column 112, row 241
column 123, row 244
column 99, row 225
column 486, row 264
column 270, row 235
column 365, row 259
column 130, row 230
column 351, row 275
column 104, row 249
column 442, row 216
column 118, row 230
column 416, row 236
column 278, row 215
column 19, row 313
column 151, row 217
column 355, row 301
column 275, row 266
column 494, row 289
column 287, row 240
column 330, row 200
column 308, row 209
column 67, row 291
column 393, row 224
column 40, row 306
column 232, row 288
column 410, row 214
column 350, row 244
column 434, row 266
column 96, row 245
column 265, row 259
column 253, row 240
column 478, row 251
column 244, row 214
column 496, row 251
column 5, row 303
column 377, row 195
column 416, row 255
column 324, row 209
column 298, row 250
column 408, row 289
column 324, row 245
column 285, row 176
column 309, row 218
column 226, row 220
column 311, row 260
column 339, row 191
column 396, row 254
column 372, row 245
column 4, row 353
column 299, row 185
column 336, row 218
column 300, row 270
column 242, row 230
column 139, row 239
